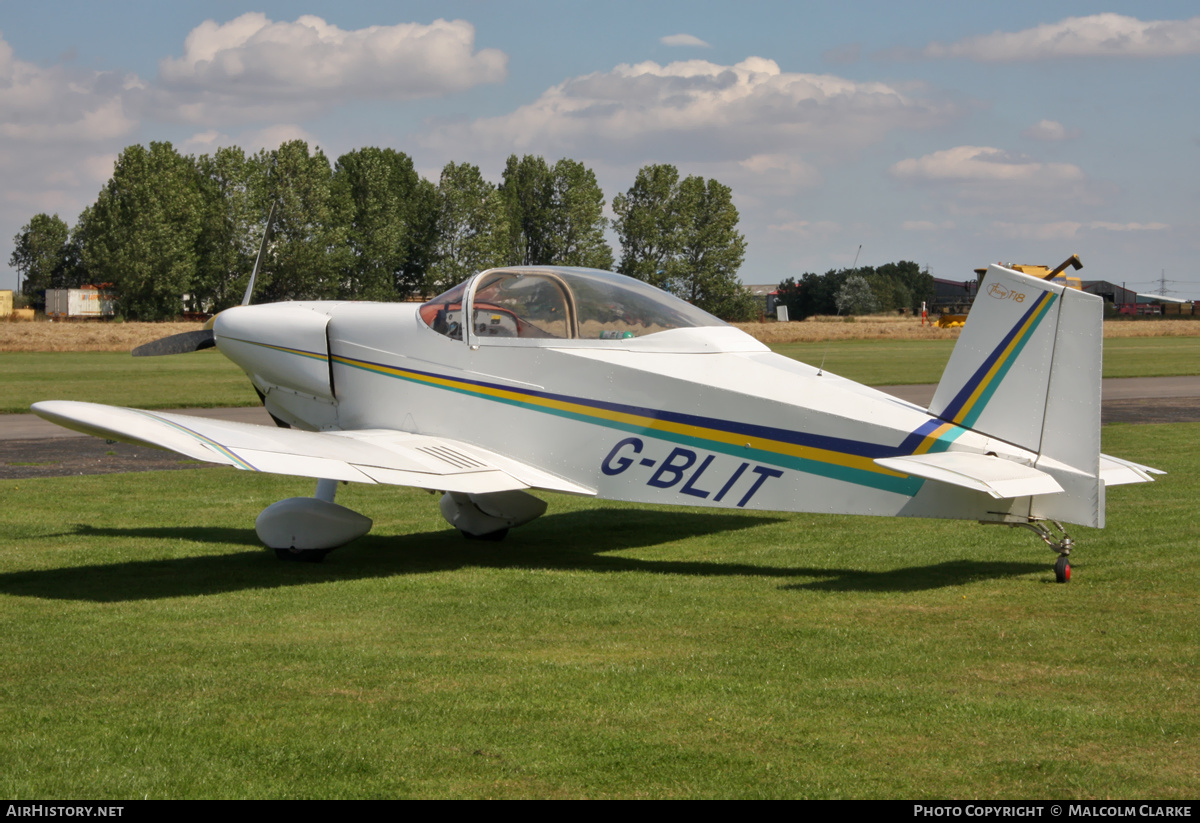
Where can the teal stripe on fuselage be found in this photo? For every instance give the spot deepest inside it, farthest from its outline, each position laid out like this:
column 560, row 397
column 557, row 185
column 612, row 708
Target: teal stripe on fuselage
column 881, row 480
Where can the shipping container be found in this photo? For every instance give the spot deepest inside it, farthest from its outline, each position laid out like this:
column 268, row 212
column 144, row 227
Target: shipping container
column 79, row 303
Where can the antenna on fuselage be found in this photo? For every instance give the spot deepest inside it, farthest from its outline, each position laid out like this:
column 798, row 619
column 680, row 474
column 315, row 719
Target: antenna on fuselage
column 262, row 247
column 854, row 268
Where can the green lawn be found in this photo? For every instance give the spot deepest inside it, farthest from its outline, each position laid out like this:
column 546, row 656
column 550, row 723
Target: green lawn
column 895, row 362
column 151, row 648
column 201, row 380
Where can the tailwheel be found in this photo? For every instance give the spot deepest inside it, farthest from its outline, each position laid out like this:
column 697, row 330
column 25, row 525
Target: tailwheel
column 1062, row 569
column 1061, row 545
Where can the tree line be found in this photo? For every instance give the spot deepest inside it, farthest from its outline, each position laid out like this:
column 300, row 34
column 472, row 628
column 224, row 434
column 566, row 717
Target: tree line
column 170, row 232
column 861, row 290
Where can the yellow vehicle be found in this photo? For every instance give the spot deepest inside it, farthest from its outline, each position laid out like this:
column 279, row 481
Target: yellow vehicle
column 1054, row 275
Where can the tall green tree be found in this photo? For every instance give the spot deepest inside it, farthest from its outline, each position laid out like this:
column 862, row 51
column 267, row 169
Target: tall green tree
column 236, row 204
column 854, row 296
column 472, row 230
column 648, row 224
column 911, row 278
column 308, row 254
column 527, row 192
column 75, row 272
column 555, row 214
column 577, row 221
column 901, row 285
column 40, row 254
column 711, row 251
column 393, row 213
column 682, row 236
column 141, row 233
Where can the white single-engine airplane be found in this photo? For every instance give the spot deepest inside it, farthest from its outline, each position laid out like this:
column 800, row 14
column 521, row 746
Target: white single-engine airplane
column 591, row 383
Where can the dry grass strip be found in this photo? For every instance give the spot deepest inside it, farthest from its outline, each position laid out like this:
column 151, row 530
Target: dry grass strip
column 891, row 327
column 86, row 335
column 102, row 336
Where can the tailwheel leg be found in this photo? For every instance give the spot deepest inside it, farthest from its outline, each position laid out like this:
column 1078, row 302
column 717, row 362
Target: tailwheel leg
column 1062, row 545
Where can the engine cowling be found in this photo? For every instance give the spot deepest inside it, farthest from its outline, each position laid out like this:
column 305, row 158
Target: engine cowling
column 279, row 344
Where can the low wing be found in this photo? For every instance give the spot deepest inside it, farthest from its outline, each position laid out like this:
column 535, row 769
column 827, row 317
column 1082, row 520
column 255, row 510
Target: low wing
column 369, row 456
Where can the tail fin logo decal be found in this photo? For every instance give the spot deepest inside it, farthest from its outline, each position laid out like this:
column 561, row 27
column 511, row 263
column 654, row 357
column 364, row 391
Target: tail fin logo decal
column 1001, row 292
column 969, row 403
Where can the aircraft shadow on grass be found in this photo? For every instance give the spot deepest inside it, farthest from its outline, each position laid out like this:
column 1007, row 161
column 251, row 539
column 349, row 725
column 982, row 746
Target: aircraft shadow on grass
column 572, row 541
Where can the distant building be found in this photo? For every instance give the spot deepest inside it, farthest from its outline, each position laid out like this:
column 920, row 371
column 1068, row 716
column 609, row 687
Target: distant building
column 768, row 295
column 1111, row 292
column 1129, row 302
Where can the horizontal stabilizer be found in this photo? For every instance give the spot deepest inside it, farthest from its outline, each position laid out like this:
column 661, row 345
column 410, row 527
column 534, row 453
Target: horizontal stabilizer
column 375, row 456
column 1117, row 472
column 995, row 476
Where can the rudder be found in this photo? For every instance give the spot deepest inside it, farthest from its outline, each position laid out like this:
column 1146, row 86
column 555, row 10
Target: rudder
column 1027, row 370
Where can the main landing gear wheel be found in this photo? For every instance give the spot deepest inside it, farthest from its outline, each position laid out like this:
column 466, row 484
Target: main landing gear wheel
column 1062, row 569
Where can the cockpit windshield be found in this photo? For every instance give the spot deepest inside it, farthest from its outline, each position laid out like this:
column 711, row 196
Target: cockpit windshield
column 560, row 303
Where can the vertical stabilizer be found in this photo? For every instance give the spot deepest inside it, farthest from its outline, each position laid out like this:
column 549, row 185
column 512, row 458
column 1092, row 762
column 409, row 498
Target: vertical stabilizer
column 1026, row 370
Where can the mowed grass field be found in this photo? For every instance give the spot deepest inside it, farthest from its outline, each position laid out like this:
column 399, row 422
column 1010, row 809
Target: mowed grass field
column 204, row 379
column 151, row 648
column 207, row 380
column 896, row 362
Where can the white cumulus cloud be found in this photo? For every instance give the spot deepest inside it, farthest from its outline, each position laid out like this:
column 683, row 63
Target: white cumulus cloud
column 806, row 228
column 967, row 180
column 695, row 111
column 983, row 163
column 778, row 173
column 60, row 104
column 1099, row 224
column 1098, row 35
column 1060, row 230
column 60, row 129
column 272, row 137
column 926, row 225
column 683, row 40
column 235, row 70
column 1067, row 229
column 1050, row 130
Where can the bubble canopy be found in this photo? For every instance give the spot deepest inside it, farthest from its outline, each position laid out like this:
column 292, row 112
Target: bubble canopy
column 558, row 303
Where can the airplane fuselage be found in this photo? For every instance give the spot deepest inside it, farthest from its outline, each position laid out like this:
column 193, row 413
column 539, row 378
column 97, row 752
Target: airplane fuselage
column 701, row 417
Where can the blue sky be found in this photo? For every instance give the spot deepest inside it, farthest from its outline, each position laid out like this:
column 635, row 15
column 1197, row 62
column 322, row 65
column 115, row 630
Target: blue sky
column 952, row 134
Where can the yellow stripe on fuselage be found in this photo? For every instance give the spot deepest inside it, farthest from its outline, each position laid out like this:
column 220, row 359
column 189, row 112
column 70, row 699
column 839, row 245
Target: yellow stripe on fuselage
column 641, row 421
column 933, row 437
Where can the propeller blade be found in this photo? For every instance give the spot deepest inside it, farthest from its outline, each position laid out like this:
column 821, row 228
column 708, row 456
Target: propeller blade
column 262, row 247
column 188, row 341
